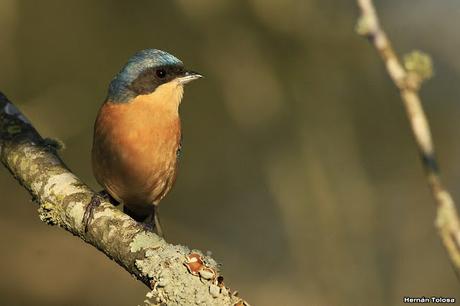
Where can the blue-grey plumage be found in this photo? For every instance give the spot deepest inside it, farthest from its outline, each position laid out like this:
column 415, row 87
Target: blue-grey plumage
column 141, row 61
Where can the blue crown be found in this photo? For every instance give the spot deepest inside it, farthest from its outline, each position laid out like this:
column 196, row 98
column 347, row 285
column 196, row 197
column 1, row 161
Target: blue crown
column 139, row 62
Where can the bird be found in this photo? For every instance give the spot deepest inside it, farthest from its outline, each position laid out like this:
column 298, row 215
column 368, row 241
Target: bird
column 137, row 135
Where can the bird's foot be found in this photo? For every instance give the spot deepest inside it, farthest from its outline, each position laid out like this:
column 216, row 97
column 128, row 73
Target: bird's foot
column 152, row 227
column 152, row 223
column 106, row 196
column 95, row 202
column 89, row 210
column 148, row 227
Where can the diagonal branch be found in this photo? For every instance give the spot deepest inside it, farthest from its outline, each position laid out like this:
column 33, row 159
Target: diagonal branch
column 176, row 275
column 408, row 80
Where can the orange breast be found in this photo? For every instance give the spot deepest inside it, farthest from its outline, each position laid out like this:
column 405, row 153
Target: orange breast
column 134, row 150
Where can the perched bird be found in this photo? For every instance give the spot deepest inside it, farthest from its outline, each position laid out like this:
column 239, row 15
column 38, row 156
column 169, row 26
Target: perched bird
column 137, row 133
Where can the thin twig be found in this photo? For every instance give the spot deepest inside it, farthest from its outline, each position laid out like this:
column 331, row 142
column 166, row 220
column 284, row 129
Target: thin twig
column 408, row 79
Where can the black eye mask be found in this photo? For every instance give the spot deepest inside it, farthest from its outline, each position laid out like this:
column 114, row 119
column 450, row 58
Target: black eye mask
column 151, row 78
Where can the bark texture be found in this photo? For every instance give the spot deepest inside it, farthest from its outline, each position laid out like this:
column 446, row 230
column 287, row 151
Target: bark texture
column 175, row 274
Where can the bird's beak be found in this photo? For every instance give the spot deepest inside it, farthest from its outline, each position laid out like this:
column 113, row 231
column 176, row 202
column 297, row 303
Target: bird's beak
column 188, row 77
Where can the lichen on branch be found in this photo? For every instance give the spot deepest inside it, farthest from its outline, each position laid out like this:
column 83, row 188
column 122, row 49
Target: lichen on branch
column 62, row 199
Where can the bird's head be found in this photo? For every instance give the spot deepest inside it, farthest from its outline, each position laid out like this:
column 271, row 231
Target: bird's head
column 146, row 71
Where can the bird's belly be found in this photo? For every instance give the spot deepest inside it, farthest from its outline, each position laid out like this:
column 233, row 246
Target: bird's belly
column 137, row 169
column 143, row 179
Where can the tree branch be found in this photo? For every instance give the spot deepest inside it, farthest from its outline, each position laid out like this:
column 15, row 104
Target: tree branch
column 408, row 80
column 175, row 274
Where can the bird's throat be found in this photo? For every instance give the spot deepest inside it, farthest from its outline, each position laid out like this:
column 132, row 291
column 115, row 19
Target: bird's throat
column 166, row 97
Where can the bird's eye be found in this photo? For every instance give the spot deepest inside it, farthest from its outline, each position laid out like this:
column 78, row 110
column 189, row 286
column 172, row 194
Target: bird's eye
column 161, row 73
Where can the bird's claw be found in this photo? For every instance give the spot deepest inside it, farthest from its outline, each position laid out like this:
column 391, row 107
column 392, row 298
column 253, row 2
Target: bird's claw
column 89, row 210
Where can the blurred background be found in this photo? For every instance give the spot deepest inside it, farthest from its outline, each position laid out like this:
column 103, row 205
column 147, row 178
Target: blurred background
column 298, row 172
